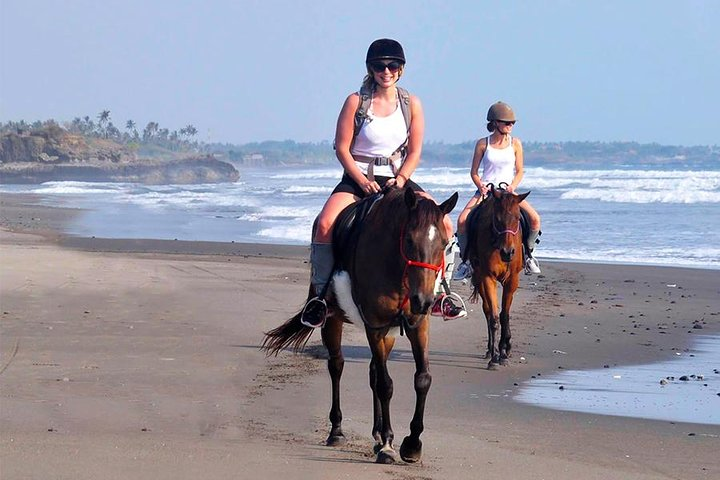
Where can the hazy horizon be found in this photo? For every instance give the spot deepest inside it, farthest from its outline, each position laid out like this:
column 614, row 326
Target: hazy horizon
column 253, row 71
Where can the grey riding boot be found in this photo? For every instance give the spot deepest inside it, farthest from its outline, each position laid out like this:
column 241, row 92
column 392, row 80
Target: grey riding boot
column 531, row 263
column 321, row 265
column 532, row 240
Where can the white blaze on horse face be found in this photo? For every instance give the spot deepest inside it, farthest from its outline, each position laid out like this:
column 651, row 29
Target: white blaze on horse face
column 432, row 232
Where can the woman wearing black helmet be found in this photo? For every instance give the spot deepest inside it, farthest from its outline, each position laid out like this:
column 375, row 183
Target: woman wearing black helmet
column 501, row 156
column 391, row 130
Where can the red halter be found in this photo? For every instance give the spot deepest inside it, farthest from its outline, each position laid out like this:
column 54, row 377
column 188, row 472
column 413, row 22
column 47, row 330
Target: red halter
column 413, row 263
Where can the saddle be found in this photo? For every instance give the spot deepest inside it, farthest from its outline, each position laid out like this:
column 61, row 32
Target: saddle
column 349, row 224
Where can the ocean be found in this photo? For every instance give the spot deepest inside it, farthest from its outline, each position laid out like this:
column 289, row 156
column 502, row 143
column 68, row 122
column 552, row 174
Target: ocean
column 627, row 215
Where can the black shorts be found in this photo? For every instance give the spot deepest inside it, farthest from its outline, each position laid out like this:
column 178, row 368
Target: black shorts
column 348, row 185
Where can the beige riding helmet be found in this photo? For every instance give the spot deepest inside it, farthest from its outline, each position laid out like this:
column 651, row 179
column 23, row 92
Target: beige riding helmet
column 501, row 111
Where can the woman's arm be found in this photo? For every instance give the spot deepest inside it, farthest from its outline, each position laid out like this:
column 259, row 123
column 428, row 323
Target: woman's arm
column 519, row 172
column 474, row 169
column 343, row 138
column 415, row 139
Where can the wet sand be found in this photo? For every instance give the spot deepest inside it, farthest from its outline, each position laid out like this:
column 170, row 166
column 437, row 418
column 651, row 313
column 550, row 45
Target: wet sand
column 136, row 359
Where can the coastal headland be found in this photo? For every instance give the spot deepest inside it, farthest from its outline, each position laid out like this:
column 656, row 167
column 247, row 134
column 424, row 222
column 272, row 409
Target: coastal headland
column 51, row 153
column 139, row 359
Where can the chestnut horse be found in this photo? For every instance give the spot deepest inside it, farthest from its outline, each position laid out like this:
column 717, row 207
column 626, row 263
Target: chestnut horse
column 386, row 279
column 495, row 251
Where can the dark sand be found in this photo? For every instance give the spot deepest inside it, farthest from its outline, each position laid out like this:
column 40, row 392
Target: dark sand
column 139, row 359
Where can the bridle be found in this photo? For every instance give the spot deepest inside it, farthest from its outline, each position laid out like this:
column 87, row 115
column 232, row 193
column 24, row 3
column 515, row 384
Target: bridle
column 499, row 232
column 413, row 263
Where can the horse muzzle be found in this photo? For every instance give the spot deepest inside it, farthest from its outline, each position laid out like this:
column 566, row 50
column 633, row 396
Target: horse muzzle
column 420, row 304
column 507, row 254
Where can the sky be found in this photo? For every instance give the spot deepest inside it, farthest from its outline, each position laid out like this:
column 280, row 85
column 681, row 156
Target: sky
column 245, row 71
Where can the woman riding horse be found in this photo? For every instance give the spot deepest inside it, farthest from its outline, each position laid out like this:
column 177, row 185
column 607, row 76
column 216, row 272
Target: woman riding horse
column 501, row 156
column 378, row 140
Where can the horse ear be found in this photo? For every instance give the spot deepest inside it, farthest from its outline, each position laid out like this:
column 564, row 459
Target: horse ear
column 522, row 196
column 447, row 206
column 410, row 198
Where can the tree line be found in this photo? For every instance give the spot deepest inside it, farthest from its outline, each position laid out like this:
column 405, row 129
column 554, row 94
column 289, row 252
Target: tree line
column 102, row 126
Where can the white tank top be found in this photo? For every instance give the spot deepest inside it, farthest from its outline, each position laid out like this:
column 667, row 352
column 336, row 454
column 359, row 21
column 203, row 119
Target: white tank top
column 498, row 164
column 380, row 137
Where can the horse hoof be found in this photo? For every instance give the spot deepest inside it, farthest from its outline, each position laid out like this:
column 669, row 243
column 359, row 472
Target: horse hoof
column 386, row 456
column 411, row 450
column 336, row 440
column 493, row 366
column 504, row 362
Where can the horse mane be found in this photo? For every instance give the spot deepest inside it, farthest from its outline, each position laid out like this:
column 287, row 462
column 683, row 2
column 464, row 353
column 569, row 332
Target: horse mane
column 426, row 210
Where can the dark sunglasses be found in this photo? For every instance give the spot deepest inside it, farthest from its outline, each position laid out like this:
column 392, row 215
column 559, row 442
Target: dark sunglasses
column 507, row 124
column 379, row 67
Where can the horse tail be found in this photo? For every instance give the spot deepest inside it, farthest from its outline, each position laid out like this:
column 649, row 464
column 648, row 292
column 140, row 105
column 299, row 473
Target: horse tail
column 475, row 294
column 291, row 333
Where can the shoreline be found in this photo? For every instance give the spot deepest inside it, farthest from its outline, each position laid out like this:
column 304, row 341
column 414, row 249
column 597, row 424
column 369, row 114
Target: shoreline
column 48, row 222
column 139, row 359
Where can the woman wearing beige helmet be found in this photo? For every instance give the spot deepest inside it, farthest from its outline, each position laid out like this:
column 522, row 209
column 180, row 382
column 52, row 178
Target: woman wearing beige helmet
column 501, row 156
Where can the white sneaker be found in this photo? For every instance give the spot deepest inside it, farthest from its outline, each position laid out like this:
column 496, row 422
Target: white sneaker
column 463, row 271
column 531, row 266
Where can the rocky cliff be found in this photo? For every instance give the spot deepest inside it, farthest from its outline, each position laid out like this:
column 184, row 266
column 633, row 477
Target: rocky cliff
column 53, row 154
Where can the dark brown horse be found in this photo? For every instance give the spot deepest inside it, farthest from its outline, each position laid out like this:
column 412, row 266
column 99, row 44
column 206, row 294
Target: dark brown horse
column 386, row 279
column 495, row 251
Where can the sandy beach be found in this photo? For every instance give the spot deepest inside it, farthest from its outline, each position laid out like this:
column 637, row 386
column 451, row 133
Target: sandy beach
column 139, row 359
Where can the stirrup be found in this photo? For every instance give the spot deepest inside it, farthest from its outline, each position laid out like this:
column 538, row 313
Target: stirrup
column 314, row 313
column 458, row 302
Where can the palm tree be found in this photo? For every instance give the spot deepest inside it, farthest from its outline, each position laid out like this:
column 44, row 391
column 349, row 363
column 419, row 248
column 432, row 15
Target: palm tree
column 189, row 131
column 130, row 126
column 103, row 119
column 150, row 130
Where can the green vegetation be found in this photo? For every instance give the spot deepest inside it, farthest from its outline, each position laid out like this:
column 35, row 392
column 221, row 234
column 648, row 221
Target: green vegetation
column 152, row 141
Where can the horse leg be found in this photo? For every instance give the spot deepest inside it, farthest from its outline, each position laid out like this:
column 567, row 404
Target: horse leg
column 332, row 338
column 411, row 447
column 487, row 310
column 377, row 408
column 383, row 390
column 490, row 308
column 505, row 334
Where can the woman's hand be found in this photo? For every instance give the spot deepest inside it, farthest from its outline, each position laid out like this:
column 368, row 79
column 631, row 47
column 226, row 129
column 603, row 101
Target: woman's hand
column 484, row 190
column 370, row 187
column 397, row 182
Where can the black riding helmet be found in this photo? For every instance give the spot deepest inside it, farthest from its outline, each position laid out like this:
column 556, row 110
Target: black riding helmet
column 385, row 49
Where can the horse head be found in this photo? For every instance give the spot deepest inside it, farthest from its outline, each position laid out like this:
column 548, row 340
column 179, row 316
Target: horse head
column 422, row 245
column 506, row 222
